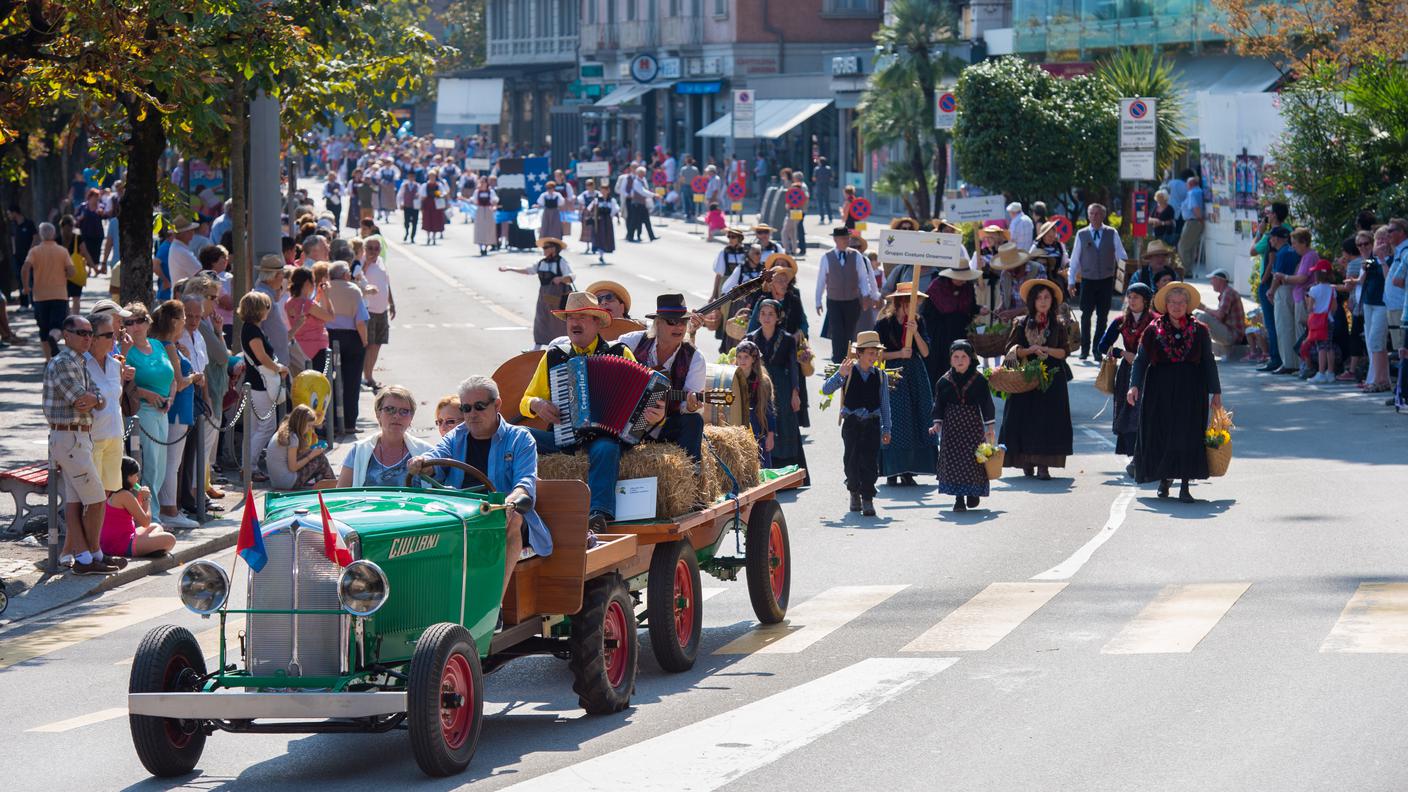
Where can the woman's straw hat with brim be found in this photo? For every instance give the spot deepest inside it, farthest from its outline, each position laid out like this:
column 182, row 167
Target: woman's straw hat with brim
column 736, row 231
column 613, row 287
column 867, row 339
column 904, row 224
column 996, row 230
column 1008, row 257
column 903, row 291
column 944, row 227
column 1158, row 248
column 963, row 273
column 784, row 262
column 1046, row 228
column 1027, row 286
column 761, row 228
column 858, row 242
column 558, row 243
column 583, row 304
column 1161, row 298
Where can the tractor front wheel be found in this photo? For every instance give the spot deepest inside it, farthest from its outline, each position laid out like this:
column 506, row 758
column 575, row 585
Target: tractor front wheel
column 604, row 647
column 445, row 708
column 168, row 660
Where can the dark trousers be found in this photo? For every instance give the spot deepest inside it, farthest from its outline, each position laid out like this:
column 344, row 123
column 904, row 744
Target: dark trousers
column 50, row 315
column 824, row 207
column 410, row 217
column 861, row 437
column 351, row 353
column 645, row 221
column 1095, row 297
column 842, row 316
column 1268, row 322
column 604, row 461
column 802, row 236
column 685, row 430
column 633, row 213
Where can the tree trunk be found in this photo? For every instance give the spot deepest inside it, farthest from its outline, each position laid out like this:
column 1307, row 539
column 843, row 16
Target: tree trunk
column 240, row 250
column 142, row 194
column 921, row 179
column 940, row 172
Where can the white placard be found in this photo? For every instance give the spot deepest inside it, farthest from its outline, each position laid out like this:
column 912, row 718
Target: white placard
column 594, row 169
column 945, row 108
column 744, row 110
column 635, row 499
column 1137, row 165
column 975, row 210
column 921, row 248
column 478, row 163
column 1138, row 123
column 444, row 143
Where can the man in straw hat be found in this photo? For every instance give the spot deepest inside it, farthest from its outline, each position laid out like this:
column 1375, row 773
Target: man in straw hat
column 1157, row 256
column 845, row 280
column 1095, row 258
column 1227, row 323
column 1014, row 267
column 585, row 319
column 275, row 325
column 665, row 349
column 865, row 418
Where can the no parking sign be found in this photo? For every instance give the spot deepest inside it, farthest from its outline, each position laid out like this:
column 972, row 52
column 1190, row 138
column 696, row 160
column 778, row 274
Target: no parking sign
column 659, row 179
column 1064, row 229
column 736, row 191
column 699, row 184
column 796, row 198
column 860, row 209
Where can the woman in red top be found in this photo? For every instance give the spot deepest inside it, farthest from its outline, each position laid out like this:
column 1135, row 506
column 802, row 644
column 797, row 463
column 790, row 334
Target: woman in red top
column 128, row 530
column 309, row 310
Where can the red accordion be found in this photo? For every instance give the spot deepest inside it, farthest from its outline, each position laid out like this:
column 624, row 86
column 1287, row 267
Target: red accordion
column 603, row 394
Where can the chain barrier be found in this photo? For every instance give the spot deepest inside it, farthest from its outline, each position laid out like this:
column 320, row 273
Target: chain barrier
column 239, row 411
column 181, row 439
column 327, row 365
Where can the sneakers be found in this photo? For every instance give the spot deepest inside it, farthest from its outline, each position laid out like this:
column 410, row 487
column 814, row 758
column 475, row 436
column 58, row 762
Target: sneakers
column 178, row 521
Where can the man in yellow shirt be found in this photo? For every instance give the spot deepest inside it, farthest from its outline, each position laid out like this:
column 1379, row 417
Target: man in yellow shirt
column 585, row 320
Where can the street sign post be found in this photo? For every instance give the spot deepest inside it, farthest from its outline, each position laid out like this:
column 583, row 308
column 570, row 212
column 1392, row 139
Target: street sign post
column 1138, row 123
column 1136, row 165
column 744, row 113
column 945, row 109
column 600, row 169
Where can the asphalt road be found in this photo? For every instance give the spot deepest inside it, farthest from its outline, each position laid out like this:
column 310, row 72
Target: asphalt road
column 1071, row 634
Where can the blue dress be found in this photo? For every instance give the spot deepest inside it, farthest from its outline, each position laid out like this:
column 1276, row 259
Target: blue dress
column 911, row 449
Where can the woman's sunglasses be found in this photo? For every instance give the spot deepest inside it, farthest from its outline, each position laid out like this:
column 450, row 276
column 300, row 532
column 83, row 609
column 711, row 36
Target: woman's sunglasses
column 134, row 322
column 401, row 411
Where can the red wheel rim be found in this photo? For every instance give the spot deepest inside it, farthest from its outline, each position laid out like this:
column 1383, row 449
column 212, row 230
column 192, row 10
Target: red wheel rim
column 777, row 560
column 178, row 736
column 684, row 603
column 456, row 700
column 613, row 639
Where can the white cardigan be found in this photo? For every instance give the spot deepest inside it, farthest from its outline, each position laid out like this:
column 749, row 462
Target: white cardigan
column 361, row 455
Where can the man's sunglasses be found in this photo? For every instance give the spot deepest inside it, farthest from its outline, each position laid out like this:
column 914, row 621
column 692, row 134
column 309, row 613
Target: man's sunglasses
column 479, row 406
column 81, row 333
column 674, row 322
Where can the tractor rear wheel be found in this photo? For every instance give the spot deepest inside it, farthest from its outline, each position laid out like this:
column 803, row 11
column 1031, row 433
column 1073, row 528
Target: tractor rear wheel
column 604, row 647
column 674, row 605
column 769, row 562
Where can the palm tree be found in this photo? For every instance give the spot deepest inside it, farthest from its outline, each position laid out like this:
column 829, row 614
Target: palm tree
column 1145, row 73
column 901, row 94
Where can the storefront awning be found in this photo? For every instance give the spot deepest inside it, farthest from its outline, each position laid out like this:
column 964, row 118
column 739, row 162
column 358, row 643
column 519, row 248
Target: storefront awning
column 774, row 118
column 1219, row 74
column 622, row 94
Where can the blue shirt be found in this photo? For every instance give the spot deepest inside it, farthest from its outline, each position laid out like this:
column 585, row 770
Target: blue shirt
column 1177, row 193
column 183, row 404
column 350, row 322
column 835, row 381
column 1287, row 261
column 162, row 252
column 513, row 462
column 1394, row 295
column 1194, row 200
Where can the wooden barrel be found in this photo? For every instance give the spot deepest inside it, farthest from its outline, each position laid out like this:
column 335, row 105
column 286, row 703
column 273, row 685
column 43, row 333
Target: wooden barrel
column 718, row 375
column 513, row 378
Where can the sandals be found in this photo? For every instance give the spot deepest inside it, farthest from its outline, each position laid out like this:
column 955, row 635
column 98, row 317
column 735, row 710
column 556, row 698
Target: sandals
column 1382, row 387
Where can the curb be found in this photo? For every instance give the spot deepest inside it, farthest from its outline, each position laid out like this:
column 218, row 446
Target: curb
column 181, row 556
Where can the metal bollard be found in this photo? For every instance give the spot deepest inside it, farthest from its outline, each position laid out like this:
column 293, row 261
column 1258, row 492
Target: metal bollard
column 51, row 491
column 200, row 469
column 247, row 464
column 337, row 405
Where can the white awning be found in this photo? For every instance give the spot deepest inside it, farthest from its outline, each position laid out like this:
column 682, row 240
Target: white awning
column 629, row 93
column 1219, row 74
column 774, row 118
column 460, row 101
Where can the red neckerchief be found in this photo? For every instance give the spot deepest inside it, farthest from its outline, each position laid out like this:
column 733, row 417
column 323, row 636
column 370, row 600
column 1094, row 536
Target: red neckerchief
column 1132, row 330
column 1176, row 338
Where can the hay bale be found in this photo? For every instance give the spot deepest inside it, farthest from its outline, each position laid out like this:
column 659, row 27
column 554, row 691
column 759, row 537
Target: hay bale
column 570, row 467
column 738, row 449
column 677, row 488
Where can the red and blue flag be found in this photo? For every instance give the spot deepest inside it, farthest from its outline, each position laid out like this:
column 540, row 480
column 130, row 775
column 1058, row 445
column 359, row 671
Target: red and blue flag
column 250, row 546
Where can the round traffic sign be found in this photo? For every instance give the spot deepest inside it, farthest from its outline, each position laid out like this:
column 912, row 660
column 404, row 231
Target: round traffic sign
column 699, row 183
column 796, row 198
column 736, row 191
column 1064, row 229
column 1138, row 109
column 644, row 68
column 860, row 209
column 659, row 179
column 947, row 102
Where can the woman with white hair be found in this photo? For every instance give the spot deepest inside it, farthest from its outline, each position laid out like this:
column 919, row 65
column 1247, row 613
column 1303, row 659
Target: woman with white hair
column 1164, row 221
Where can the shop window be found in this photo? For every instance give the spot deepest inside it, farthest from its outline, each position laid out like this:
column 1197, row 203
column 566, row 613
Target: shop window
column 850, row 7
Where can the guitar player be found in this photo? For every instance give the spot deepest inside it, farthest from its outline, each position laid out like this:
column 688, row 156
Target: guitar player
column 669, row 353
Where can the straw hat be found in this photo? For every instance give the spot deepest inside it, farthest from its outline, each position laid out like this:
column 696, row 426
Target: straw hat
column 737, row 231
column 867, row 339
column 1045, row 228
column 944, row 227
column 1008, row 257
column 185, row 224
column 1161, row 298
column 1027, row 286
column 783, row 262
column 582, row 303
column 545, row 241
column 271, row 262
column 613, row 287
column 903, row 291
column 963, row 273
column 761, row 227
column 1158, row 248
column 996, row 230
column 904, row 224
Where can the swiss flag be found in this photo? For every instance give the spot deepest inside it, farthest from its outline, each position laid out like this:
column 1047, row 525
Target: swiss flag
column 333, row 545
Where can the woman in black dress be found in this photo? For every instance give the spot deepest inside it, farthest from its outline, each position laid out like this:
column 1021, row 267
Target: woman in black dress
column 778, row 352
column 783, row 289
column 1175, row 383
column 1128, row 328
column 955, row 303
column 1036, row 425
column 963, row 419
column 911, row 449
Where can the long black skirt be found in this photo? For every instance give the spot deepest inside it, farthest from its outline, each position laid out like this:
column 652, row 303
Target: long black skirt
column 1126, row 423
column 1036, row 426
column 1173, row 415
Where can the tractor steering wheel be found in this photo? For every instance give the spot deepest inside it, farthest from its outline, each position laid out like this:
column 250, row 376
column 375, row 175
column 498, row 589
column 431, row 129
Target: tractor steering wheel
column 469, row 470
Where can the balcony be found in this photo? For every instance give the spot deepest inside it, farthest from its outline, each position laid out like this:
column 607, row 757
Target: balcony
column 554, row 49
column 639, row 34
column 600, row 38
column 683, row 31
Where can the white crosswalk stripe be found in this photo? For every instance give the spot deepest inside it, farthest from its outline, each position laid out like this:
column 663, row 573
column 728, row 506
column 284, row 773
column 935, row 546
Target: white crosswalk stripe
column 987, row 618
column 1374, row 620
column 812, row 620
column 1177, row 619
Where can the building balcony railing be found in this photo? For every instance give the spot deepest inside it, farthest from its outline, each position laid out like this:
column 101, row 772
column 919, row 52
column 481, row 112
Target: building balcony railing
column 600, row 38
column 682, row 31
column 536, row 50
column 639, row 34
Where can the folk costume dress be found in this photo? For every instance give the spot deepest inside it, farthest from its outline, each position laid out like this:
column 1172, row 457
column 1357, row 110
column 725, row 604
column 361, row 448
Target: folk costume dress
column 584, row 201
column 1176, row 373
column 1036, row 425
column 1129, row 330
column 911, row 448
column 486, row 231
column 753, row 406
column 779, row 354
column 602, row 211
column 551, row 297
column 955, row 303
column 963, row 407
column 434, row 197
column 550, row 225
column 794, row 322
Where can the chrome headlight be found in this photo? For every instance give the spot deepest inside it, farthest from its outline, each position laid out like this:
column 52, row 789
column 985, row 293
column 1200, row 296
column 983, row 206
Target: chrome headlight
column 363, row 588
column 203, row 587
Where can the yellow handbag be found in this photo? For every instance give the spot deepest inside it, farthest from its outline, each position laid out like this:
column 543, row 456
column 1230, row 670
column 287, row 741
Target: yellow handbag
column 1105, row 380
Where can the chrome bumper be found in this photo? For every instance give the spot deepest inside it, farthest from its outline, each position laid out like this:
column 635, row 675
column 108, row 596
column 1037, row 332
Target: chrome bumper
column 250, row 706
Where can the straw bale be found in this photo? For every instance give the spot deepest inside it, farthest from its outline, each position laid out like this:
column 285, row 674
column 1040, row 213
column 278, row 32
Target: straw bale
column 677, row 488
column 738, row 449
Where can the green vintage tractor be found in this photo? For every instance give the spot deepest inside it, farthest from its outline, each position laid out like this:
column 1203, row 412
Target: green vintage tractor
column 403, row 634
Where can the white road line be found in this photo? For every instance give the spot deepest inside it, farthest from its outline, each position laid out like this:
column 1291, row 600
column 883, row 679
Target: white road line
column 1099, row 437
column 717, row 751
column 648, row 278
column 1072, row 565
column 80, row 721
column 710, row 593
column 1177, row 620
column 505, row 328
column 1375, row 620
column 985, row 619
column 82, row 627
column 812, row 620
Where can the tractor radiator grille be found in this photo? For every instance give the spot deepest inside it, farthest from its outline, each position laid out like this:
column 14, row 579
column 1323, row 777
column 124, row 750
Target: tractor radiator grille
column 298, row 575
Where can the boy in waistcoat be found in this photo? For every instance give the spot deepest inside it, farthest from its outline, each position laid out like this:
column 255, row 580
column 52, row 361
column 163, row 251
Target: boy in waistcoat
column 865, row 418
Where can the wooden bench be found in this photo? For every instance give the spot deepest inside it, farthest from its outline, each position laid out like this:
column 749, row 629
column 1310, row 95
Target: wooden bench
column 22, row 482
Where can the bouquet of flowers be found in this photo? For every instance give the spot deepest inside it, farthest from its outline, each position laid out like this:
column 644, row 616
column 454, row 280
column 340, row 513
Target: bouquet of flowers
column 991, row 457
column 986, row 450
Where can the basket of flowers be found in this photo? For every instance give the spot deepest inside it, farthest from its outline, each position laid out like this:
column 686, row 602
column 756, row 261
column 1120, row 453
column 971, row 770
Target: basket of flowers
column 1015, row 377
column 989, row 340
column 990, row 457
column 1218, row 442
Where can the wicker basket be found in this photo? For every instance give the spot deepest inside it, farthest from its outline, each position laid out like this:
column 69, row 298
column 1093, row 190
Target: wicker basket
column 988, row 345
column 1219, row 459
column 994, row 464
column 1010, row 381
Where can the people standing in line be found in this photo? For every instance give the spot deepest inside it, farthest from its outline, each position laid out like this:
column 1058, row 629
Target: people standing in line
column 1190, row 240
column 1020, row 227
column 1373, row 280
column 1128, row 328
column 1175, row 384
column 865, row 418
column 911, row 450
column 347, row 329
column 554, row 284
column 550, row 201
column 963, row 418
column 167, row 326
column 1177, row 187
column 843, row 287
column 1288, row 289
column 1227, row 323
column 1396, row 300
column 44, row 277
column 434, row 200
column 1036, row 425
column 154, row 377
column 408, row 196
column 308, row 311
column 1275, row 234
column 69, row 399
column 822, row 180
column 1096, row 257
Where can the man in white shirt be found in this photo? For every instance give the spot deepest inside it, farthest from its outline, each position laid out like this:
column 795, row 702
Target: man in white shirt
column 1095, row 258
column 714, row 192
column 668, row 353
column 1020, row 226
column 181, row 262
column 637, row 215
column 845, row 287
